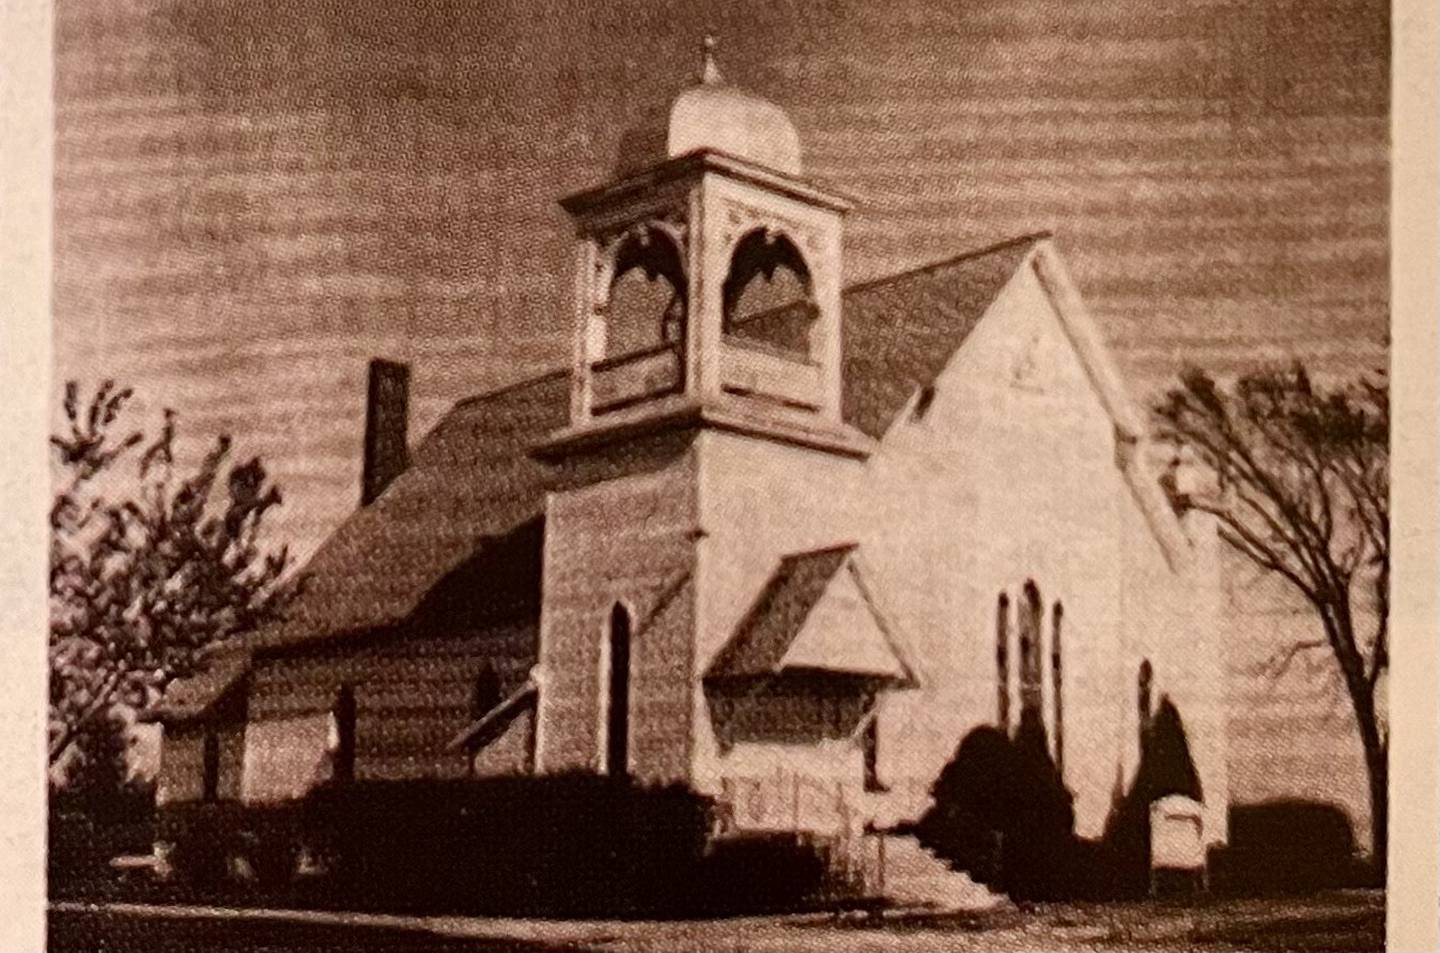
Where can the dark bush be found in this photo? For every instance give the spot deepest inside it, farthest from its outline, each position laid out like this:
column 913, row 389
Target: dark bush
column 1165, row 768
column 87, row 828
column 1002, row 814
column 1288, row 847
column 764, row 872
column 567, row 845
column 210, row 841
column 555, row 845
column 74, row 859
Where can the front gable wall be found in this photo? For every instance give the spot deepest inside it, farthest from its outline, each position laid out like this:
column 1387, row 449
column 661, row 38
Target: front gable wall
column 1009, row 476
column 1004, row 470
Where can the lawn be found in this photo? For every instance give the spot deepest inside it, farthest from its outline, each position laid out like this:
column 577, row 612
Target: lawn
column 1348, row 920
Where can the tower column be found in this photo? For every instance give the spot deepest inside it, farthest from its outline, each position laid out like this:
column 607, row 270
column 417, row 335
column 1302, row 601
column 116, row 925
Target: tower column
column 583, row 344
column 828, row 349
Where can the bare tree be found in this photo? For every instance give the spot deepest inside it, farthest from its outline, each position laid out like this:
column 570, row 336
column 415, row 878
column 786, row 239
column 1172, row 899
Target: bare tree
column 148, row 577
column 1302, row 491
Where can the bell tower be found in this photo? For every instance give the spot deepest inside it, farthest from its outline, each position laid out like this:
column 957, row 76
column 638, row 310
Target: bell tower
column 706, row 304
column 708, row 280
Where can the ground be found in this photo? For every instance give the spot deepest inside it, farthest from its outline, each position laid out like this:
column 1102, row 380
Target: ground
column 1340, row 921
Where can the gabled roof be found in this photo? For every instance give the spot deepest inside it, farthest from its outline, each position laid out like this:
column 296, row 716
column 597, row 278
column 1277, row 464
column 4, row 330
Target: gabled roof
column 471, row 479
column 900, row 332
column 775, row 618
column 469, row 490
column 1130, row 428
column 765, row 640
column 190, row 698
column 458, row 513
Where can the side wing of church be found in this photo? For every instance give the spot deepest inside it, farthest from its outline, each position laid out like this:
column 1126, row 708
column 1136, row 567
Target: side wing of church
column 783, row 541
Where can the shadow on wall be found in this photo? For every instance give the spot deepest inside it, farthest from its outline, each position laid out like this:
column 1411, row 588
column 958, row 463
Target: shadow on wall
column 1002, row 814
column 1165, row 768
column 498, row 582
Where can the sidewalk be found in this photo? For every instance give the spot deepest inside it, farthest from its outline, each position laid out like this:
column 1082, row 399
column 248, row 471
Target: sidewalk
column 1347, row 920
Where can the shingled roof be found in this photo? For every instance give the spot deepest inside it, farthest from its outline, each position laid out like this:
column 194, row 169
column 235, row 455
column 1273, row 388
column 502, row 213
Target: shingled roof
column 775, row 618
column 191, row 697
column 471, row 483
column 900, row 332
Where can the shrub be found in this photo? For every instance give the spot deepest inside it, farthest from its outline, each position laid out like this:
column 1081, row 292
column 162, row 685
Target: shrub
column 1288, row 847
column 555, row 845
column 210, row 841
column 88, row 827
column 1002, row 815
column 1165, row 768
column 763, row 872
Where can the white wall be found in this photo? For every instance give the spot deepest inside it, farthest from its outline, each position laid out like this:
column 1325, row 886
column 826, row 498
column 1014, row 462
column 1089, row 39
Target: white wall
column 1001, row 481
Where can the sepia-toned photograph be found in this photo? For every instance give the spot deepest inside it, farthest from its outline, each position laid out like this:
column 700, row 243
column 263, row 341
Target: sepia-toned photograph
column 647, row 476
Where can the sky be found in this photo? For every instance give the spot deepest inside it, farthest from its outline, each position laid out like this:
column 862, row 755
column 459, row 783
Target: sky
column 254, row 197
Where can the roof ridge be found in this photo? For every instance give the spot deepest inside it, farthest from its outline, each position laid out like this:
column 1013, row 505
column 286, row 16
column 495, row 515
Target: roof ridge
column 1028, row 238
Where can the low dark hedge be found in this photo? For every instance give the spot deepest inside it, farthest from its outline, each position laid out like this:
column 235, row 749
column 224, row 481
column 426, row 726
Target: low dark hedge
column 84, row 837
column 217, row 845
column 566, row 845
column 1289, row 847
column 758, row 873
column 556, row 845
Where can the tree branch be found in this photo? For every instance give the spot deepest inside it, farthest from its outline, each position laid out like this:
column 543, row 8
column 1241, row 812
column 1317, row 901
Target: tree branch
column 1279, row 662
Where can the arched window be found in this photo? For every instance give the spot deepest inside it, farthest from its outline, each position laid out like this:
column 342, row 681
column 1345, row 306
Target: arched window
column 484, row 691
column 1057, row 618
column 1030, row 665
column 617, row 715
column 1143, row 689
column 645, row 305
column 1002, row 662
column 210, row 784
column 767, row 297
column 342, row 738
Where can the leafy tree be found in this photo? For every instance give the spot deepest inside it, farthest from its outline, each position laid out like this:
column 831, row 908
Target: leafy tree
column 147, row 578
column 97, row 772
column 1302, row 476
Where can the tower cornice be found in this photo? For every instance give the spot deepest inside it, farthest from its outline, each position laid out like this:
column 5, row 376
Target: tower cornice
column 680, row 413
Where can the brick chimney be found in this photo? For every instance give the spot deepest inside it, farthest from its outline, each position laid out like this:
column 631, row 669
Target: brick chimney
column 387, row 413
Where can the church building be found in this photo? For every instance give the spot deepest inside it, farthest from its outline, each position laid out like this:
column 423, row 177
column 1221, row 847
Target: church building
column 779, row 539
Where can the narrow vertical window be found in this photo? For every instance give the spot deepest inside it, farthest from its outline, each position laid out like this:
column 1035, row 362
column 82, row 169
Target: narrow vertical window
column 1030, row 614
column 1142, row 691
column 617, row 724
column 1002, row 662
column 342, row 718
column 210, row 785
column 870, row 744
column 1057, row 618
